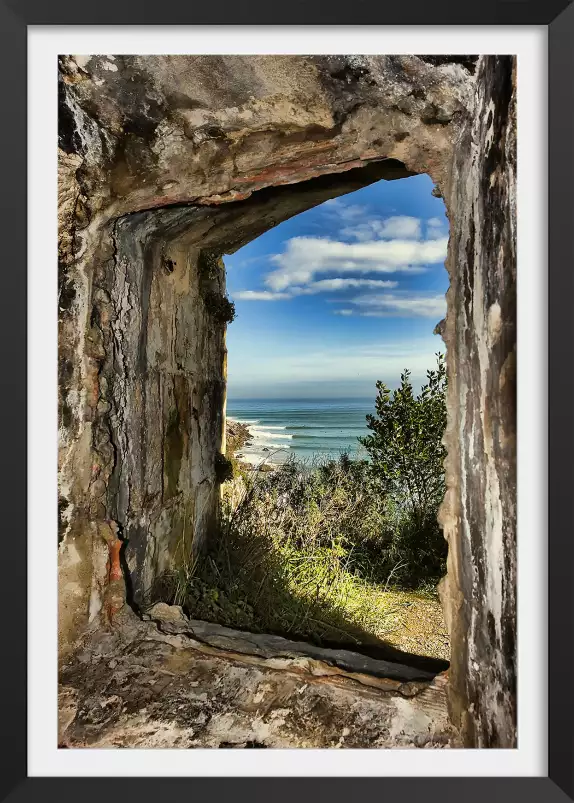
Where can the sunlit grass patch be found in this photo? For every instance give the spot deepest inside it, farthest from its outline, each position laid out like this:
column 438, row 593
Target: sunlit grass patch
column 300, row 554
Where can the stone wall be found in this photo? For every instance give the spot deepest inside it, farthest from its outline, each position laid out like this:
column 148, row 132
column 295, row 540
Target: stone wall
column 479, row 511
column 165, row 164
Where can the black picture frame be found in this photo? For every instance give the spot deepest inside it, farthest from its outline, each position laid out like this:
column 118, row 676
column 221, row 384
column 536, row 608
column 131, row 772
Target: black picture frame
column 558, row 15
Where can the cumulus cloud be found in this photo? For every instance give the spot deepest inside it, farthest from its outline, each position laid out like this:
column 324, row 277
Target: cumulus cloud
column 304, row 257
column 397, row 305
column 369, row 226
column 360, row 224
column 399, row 244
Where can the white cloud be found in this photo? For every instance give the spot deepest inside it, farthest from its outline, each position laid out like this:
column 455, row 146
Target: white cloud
column 322, row 286
column 352, row 212
column 336, row 208
column 400, row 227
column 305, row 257
column 330, row 285
column 405, row 305
column 260, row 295
column 379, row 305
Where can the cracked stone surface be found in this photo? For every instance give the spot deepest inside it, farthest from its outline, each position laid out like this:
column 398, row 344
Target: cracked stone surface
column 478, row 514
column 140, row 686
column 393, row 665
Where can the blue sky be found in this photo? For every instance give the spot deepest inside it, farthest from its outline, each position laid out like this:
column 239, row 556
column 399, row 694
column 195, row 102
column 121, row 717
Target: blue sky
column 339, row 296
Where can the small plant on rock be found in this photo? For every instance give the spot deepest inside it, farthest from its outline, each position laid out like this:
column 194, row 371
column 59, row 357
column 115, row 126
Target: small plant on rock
column 209, row 265
column 219, row 307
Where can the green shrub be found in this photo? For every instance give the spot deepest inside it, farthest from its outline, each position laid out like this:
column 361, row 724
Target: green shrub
column 407, row 460
column 210, row 269
column 284, row 561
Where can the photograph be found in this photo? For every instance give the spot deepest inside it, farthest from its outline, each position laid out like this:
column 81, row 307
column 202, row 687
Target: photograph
column 287, row 417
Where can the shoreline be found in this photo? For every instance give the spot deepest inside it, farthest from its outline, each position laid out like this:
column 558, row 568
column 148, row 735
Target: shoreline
column 311, row 432
column 238, row 436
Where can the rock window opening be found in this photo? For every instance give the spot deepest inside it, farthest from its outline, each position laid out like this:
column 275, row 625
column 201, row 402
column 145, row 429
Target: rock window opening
column 322, row 537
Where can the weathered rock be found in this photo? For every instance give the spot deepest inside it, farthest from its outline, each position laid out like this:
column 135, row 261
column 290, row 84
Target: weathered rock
column 141, row 687
column 162, row 612
column 166, row 163
column 479, row 511
column 158, row 130
column 269, row 646
column 236, row 437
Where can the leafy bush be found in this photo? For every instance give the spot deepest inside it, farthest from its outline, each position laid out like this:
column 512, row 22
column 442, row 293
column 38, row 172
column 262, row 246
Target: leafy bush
column 407, row 458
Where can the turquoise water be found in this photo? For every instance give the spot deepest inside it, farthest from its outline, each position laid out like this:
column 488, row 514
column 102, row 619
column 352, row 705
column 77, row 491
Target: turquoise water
column 305, row 428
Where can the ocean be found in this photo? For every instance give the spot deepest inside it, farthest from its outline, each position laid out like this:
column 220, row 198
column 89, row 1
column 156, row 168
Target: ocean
column 305, row 428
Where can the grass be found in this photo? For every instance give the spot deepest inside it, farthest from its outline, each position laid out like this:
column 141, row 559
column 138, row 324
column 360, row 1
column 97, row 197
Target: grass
column 287, row 567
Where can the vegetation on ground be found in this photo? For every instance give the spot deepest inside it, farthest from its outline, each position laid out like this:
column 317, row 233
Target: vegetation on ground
column 344, row 550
